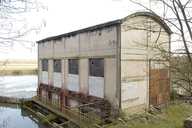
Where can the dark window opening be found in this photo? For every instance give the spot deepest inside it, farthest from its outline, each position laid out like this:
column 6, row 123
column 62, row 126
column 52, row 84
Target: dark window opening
column 73, row 66
column 44, row 64
column 96, row 67
column 57, row 65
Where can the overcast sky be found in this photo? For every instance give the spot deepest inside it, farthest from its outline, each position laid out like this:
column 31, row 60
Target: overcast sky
column 63, row 16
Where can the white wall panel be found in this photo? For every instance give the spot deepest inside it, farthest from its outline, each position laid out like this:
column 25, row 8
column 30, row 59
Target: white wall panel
column 44, row 78
column 73, row 82
column 133, row 93
column 96, row 86
column 57, row 79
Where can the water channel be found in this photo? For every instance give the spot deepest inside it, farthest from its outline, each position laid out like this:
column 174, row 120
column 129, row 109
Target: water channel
column 12, row 116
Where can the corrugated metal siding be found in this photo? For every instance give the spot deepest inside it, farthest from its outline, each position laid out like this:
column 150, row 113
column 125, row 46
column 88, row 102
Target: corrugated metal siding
column 96, row 86
column 44, row 78
column 73, row 82
column 57, row 79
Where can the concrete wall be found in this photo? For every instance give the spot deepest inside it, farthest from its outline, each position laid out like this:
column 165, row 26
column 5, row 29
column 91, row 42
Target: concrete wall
column 130, row 72
column 100, row 43
column 83, row 75
column 111, row 90
column 45, row 50
column 50, row 71
column 137, row 48
column 89, row 44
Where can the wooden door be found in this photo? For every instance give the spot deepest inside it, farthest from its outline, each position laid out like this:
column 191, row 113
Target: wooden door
column 159, row 87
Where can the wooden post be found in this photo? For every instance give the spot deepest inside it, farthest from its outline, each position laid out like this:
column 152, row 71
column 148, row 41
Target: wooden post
column 61, row 100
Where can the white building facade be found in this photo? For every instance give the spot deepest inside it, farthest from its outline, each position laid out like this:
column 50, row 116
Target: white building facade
column 114, row 61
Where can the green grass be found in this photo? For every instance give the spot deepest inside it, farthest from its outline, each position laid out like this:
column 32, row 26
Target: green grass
column 171, row 117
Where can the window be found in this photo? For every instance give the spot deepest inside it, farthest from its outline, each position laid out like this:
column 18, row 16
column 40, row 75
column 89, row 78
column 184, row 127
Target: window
column 57, row 65
column 96, row 67
column 73, row 66
column 44, row 64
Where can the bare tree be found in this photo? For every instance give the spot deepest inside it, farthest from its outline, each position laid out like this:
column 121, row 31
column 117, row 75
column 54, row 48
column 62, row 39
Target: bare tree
column 177, row 14
column 13, row 21
column 15, row 25
column 181, row 75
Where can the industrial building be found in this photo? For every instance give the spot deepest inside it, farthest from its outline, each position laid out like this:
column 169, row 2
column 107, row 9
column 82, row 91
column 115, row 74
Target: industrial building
column 108, row 67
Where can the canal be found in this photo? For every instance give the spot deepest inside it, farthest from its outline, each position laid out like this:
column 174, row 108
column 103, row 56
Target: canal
column 12, row 116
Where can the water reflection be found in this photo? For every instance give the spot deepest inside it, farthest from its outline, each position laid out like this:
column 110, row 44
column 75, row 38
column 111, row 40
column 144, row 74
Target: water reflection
column 12, row 116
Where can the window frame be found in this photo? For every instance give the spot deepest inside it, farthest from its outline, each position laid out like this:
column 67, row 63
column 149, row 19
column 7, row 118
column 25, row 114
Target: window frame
column 96, row 68
column 45, row 65
column 73, row 66
column 55, row 62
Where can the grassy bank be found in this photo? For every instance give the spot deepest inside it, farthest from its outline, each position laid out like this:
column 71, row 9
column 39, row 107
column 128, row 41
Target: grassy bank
column 171, row 117
column 18, row 72
column 18, row 67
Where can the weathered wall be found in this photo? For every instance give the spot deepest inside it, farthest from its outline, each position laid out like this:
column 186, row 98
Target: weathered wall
column 45, row 49
column 110, row 90
column 139, row 36
column 93, row 44
column 84, row 74
column 50, row 71
column 89, row 44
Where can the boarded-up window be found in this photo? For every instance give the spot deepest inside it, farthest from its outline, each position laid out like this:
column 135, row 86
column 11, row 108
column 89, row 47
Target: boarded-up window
column 73, row 66
column 96, row 67
column 57, row 65
column 44, row 63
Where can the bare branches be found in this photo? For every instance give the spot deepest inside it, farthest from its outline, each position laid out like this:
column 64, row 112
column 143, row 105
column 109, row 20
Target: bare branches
column 188, row 2
column 14, row 25
column 181, row 29
column 178, row 20
column 177, row 14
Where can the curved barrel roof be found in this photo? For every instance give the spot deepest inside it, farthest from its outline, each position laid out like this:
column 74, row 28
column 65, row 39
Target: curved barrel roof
column 111, row 23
